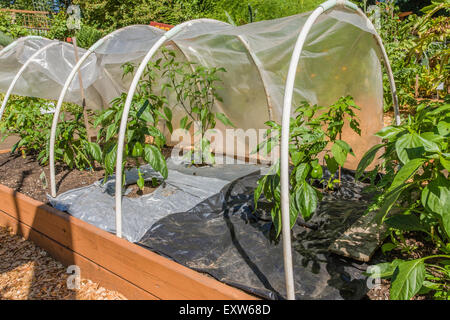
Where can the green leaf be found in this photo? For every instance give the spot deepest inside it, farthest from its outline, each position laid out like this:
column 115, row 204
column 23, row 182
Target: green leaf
column 406, row 172
column 103, row 117
column 436, row 198
column 301, row 172
column 404, row 222
column 367, row 159
column 293, row 212
column 183, row 122
column 297, row 157
column 68, row 157
column 387, row 247
column 306, row 200
column 259, row 189
column 14, row 147
column 428, row 145
column 223, row 118
column 389, row 132
column 169, row 126
column 409, row 146
column 110, row 131
column 156, row 133
column 168, row 113
column 276, row 218
column 443, row 128
column 340, row 149
column 147, row 116
column 332, row 164
column 140, row 182
column 390, row 199
column 95, row 151
column 445, row 163
column 446, row 223
column 154, row 157
column 110, row 159
column 407, row 279
column 142, row 108
column 383, row 270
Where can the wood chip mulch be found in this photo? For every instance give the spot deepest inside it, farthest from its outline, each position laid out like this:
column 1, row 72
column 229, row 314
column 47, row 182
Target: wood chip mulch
column 28, row 272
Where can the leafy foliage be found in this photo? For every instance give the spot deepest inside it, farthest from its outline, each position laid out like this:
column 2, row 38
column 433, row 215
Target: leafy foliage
column 13, row 30
column 112, row 14
column 242, row 12
column 414, row 192
column 30, row 119
column 195, row 88
column 86, row 36
column 311, row 134
column 143, row 139
column 109, row 15
column 5, row 39
column 416, row 46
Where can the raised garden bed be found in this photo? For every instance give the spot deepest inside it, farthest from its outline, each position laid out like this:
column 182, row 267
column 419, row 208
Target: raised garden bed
column 114, row 263
column 73, row 241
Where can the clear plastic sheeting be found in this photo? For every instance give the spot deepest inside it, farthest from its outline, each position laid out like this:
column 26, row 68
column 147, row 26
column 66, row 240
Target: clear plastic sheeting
column 184, row 188
column 48, row 71
column 340, row 57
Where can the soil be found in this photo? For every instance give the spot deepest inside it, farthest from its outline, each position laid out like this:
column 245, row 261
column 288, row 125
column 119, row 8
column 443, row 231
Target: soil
column 24, row 174
column 418, row 248
column 136, row 192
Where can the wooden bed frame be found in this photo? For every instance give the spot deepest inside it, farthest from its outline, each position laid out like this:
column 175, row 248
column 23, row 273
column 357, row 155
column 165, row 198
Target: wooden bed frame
column 114, row 263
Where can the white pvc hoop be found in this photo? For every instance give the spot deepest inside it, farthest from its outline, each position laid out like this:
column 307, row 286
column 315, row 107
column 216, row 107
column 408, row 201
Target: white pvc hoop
column 284, row 161
column 168, row 36
column 123, row 122
column 19, row 73
column 13, row 44
column 61, row 100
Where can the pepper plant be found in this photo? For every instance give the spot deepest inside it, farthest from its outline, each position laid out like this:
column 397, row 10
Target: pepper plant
column 26, row 118
column 71, row 145
column 196, row 89
column 414, row 196
column 143, row 138
column 30, row 119
column 311, row 133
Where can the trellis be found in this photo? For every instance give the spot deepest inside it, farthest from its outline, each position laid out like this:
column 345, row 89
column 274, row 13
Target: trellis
column 36, row 21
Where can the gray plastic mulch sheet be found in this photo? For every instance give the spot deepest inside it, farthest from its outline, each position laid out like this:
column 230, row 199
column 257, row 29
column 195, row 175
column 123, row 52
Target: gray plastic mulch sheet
column 222, row 237
column 184, row 188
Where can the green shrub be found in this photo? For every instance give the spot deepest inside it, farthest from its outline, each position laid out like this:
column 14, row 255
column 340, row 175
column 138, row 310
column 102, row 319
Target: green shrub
column 30, row 119
column 414, row 195
column 10, row 29
column 5, row 39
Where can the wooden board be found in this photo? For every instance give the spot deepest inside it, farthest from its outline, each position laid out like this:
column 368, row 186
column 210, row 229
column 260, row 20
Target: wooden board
column 90, row 270
column 360, row 241
column 159, row 277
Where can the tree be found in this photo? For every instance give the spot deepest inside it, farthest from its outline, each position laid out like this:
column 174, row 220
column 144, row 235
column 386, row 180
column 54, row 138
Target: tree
column 404, row 5
column 113, row 14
